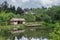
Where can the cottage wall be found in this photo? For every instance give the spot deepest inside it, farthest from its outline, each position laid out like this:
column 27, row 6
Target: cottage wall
column 23, row 22
column 14, row 23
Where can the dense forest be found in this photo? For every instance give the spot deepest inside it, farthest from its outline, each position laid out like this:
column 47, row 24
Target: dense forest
column 49, row 16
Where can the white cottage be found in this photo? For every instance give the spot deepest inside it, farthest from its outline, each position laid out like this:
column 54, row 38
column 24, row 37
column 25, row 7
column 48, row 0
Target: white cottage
column 15, row 21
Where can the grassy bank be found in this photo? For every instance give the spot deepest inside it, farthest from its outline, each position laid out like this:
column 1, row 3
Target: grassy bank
column 5, row 30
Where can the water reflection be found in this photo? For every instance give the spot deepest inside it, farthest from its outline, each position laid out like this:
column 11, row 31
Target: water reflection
column 8, row 39
column 26, row 38
column 16, row 38
column 37, row 34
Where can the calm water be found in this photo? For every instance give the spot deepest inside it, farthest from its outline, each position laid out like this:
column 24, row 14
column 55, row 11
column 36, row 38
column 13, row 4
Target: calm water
column 31, row 34
column 25, row 38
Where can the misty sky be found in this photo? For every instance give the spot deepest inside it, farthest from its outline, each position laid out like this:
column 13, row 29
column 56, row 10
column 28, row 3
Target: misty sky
column 32, row 3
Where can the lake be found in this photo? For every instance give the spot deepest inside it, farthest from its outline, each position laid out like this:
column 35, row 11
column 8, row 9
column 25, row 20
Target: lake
column 30, row 34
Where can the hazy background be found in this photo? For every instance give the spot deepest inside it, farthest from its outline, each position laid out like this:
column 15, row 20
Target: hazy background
column 32, row 3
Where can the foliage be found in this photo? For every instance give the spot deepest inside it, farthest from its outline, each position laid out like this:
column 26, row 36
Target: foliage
column 55, row 35
column 49, row 18
column 5, row 17
column 19, row 11
column 29, row 17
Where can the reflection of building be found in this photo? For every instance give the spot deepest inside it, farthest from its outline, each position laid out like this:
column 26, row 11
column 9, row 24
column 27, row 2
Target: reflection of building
column 15, row 21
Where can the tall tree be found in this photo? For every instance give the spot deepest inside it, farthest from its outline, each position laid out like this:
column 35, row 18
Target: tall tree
column 4, row 5
column 19, row 10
